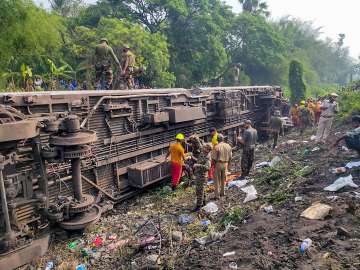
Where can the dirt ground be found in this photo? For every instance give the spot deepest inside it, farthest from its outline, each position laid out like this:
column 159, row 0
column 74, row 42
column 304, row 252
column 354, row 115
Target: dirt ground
column 148, row 224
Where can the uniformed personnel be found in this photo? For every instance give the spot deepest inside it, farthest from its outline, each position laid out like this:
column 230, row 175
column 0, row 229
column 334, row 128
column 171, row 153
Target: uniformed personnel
column 201, row 169
column 103, row 56
column 222, row 156
column 128, row 64
column 248, row 141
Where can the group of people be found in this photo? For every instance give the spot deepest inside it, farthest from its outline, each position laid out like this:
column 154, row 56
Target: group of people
column 306, row 114
column 210, row 160
column 104, row 55
column 320, row 113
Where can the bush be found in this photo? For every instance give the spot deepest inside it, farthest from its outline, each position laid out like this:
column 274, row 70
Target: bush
column 349, row 103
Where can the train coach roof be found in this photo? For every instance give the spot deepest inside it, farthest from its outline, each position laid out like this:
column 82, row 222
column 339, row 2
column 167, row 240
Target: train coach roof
column 136, row 91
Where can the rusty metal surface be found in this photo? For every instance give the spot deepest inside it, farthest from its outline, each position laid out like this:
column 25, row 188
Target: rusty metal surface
column 82, row 221
column 115, row 134
column 24, row 255
column 19, row 130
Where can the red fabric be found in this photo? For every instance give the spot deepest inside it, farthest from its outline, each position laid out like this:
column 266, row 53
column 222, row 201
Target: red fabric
column 176, row 172
column 212, row 170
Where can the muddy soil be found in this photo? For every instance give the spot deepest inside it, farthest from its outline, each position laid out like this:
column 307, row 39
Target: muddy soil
column 258, row 239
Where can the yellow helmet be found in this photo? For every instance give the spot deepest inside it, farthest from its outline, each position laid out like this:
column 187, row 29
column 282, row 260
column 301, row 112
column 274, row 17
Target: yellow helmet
column 302, row 102
column 180, row 136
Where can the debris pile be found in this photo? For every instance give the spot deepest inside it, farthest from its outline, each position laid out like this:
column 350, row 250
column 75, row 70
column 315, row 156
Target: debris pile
column 286, row 216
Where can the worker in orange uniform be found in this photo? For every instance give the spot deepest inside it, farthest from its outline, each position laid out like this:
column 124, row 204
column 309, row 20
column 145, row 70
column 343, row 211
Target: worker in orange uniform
column 311, row 107
column 317, row 111
column 214, row 141
column 177, row 156
column 294, row 113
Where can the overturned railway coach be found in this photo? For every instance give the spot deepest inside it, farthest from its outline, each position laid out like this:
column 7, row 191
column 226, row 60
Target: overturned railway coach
column 60, row 150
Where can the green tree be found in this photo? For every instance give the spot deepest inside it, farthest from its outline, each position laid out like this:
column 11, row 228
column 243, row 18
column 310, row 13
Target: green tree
column 296, row 83
column 197, row 41
column 151, row 49
column 256, row 7
column 261, row 50
column 67, row 8
column 29, row 35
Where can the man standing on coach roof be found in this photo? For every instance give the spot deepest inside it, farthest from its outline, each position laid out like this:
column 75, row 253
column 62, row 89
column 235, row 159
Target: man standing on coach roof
column 103, row 56
column 177, row 156
column 222, row 155
column 329, row 108
column 248, row 141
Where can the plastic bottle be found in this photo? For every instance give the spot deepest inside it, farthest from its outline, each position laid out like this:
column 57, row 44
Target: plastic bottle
column 80, row 267
column 305, row 245
column 49, row 266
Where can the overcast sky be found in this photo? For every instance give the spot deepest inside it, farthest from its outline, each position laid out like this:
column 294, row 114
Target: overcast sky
column 333, row 16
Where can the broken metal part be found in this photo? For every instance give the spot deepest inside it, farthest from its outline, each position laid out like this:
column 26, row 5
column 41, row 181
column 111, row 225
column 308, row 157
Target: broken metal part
column 82, row 220
column 25, row 254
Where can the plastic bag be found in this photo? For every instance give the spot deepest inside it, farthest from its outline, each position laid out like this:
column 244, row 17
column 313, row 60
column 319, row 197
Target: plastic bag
column 341, row 182
column 211, row 208
column 275, row 161
column 316, row 211
column 238, row 183
column 353, row 164
column 186, row 219
column 262, row 164
column 251, row 193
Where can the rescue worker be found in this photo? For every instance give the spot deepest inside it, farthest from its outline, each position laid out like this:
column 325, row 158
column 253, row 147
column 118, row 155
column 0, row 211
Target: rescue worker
column 195, row 144
column 222, row 155
column 317, row 111
column 128, row 63
column 304, row 117
column 276, row 127
column 329, row 108
column 352, row 138
column 248, row 141
column 214, row 141
column 294, row 113
column 103, row 56
column 201, row 169
column 177, row 156
column 311, row 107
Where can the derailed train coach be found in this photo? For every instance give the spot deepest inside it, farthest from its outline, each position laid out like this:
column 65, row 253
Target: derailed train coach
column 61, row 151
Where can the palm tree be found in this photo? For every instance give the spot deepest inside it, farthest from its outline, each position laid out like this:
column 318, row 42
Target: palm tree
column 255, row 7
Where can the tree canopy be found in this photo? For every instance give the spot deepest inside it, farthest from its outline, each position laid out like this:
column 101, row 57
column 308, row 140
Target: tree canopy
column 182, row 43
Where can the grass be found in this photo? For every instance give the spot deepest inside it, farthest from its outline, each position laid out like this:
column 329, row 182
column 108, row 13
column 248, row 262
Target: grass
column 235, row 215
column 277, row 197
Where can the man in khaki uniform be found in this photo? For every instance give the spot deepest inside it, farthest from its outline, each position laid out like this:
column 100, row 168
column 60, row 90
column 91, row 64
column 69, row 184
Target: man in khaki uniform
column 329, row 108
column 128, row 62
column 248, row 141
column 103, row 56
column 222, row 156
column 276, row 127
